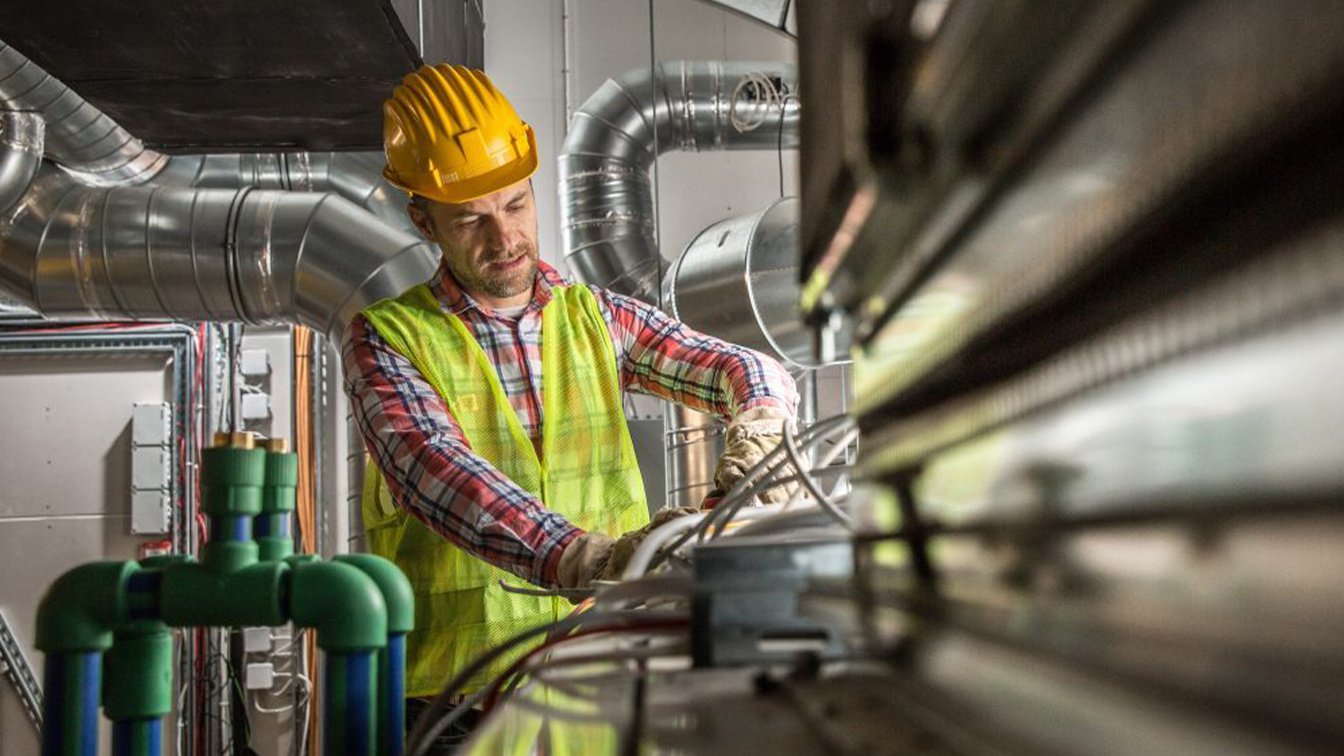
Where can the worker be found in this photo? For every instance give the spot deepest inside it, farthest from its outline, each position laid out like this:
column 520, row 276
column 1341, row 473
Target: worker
column 490, row 396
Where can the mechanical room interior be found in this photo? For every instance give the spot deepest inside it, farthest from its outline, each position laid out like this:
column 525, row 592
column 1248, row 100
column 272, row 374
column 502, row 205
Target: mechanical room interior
column 978, row 361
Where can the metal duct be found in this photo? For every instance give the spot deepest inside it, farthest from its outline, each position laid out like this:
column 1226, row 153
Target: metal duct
column 606, row 199
column 258, row 256
column 80, row 138
column 356, row 176
column 21, row 136
column 738, row 280
column 96, row 150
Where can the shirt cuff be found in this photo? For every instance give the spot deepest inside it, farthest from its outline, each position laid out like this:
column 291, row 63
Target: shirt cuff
column 550, row 558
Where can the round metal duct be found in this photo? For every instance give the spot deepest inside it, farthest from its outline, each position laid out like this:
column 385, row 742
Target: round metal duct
column 738, row 280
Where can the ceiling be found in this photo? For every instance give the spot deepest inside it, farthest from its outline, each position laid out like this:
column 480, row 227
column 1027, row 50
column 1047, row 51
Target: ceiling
column 213, row 75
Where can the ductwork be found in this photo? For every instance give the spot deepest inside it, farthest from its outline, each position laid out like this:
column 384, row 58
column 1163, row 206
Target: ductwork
column 738, row 280
column 606, row 198
column 213, row 237
column 259, row 256
column 356, row 176
column 80, row 138
column 20, row 154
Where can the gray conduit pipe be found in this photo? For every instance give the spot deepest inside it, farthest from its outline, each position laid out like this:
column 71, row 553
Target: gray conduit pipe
column 606, row 199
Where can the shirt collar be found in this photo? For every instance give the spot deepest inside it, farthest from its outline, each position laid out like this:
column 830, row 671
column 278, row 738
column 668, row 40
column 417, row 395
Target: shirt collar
column 455, row 300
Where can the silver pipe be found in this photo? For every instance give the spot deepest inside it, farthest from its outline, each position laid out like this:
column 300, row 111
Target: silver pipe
column 21, row 137
column 606, row 199
column 80, row 138
column 259, row 256
column 738, row 280
column 356, row 176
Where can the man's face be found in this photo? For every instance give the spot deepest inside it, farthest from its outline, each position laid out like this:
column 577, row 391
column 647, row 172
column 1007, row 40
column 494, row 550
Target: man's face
column 490, row 244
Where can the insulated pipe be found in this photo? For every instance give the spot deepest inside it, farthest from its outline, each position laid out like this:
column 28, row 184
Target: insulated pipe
column 80, row 138
column 400, row 600
column 606, row 199
column 273, row 527
column 203, row 254
column 21, row 139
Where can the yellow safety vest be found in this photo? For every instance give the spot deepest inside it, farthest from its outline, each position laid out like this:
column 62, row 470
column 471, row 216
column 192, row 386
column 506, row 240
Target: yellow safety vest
column 587, row 472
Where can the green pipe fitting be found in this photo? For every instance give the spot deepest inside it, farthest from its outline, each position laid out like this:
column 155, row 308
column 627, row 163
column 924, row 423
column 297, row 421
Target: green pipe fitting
column 138, row 672
column 343, row 604
column 82, row 608
column 195, row 595
column 231, row 480
column 392, row 582
column 273, row 527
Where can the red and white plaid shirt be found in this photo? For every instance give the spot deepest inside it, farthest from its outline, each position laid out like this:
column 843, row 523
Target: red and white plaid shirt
column 433, row 473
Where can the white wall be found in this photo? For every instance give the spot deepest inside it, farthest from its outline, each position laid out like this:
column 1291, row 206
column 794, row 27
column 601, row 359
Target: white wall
column 524, row 55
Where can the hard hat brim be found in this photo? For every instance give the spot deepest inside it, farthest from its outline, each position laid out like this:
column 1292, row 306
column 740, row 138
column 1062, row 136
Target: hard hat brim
column 468, row 189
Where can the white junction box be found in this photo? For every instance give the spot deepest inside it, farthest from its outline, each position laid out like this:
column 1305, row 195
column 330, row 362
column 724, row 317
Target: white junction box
column 151, row 468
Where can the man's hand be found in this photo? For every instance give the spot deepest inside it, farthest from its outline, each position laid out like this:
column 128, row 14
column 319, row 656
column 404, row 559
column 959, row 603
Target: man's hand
column 596, row 556
column 752, row 435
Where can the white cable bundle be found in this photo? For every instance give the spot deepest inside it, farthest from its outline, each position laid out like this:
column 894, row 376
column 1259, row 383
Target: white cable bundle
column 765, row 98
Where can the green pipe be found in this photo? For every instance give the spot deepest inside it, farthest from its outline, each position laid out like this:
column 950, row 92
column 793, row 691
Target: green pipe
column 138, row 672
column 80, row 610
column 74, row 627
column 231, row 482
column 396, row 590
column 343, row 604
column 273, row 529
column 194, row 595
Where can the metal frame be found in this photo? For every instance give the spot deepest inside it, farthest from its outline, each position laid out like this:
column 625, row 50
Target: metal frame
column 20, row 673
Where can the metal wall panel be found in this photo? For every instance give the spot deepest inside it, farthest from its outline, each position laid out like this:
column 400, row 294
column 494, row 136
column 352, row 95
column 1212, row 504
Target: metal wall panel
column 65, row 483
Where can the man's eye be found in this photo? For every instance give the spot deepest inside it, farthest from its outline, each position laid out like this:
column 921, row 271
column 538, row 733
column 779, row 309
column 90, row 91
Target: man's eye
column 468, row 222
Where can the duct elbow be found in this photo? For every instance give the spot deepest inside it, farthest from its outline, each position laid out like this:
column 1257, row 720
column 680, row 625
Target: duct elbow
column 21, row 139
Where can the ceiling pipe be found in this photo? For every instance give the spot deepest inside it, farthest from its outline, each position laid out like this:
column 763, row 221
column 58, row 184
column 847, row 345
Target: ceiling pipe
column 95, row 150
column 606, row 198
column 80, row 138
column 146, row 252
column 21, row 136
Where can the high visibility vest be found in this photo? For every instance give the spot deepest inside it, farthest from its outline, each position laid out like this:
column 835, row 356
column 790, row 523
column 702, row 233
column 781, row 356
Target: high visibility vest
column 587, row 472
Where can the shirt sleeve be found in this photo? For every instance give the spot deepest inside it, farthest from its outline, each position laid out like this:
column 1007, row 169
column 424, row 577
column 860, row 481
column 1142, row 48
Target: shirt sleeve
column 432, row 472
column 664, row 357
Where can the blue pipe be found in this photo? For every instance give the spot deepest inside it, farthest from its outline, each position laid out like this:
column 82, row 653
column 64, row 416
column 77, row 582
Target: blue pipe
column 392, row 695
column 137, row 737
column 70, row 703
column 350, row 704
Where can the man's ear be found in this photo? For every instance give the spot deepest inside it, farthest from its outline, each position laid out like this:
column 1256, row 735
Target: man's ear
column 421, row 219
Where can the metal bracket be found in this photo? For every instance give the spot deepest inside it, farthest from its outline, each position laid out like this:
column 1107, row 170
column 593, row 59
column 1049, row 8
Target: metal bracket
column 19, row 673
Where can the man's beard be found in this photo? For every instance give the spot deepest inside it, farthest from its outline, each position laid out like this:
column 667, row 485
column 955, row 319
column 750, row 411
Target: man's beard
column 506, row 283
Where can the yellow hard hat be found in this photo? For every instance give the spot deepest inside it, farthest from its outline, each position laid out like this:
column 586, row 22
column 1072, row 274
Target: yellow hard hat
column 450, row 136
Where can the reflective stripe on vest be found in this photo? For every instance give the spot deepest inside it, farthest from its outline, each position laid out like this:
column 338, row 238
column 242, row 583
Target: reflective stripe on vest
column 587, row 472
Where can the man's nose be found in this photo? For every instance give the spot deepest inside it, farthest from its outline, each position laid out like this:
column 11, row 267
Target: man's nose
column 503, row 235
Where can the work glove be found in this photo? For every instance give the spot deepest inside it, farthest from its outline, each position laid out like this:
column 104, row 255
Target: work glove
column 752, row 435
column 597, row 556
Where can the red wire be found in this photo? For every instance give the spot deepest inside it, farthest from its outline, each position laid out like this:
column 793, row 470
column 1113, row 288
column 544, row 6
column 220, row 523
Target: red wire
column 493, row 696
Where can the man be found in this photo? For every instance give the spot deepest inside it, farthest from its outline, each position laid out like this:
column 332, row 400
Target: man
column 489, row 397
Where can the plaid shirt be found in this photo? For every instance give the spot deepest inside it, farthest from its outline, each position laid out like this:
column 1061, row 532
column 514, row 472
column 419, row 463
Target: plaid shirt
column 432, row 472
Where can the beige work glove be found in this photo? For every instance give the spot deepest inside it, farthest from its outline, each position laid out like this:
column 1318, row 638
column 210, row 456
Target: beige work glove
column 597, row 556
column 752, row 435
